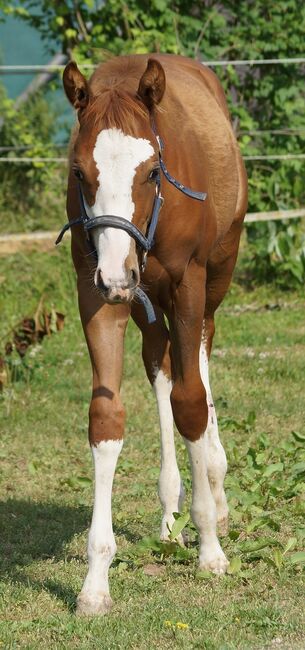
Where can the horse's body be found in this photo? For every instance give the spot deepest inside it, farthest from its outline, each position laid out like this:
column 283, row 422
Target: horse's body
column 115, row 154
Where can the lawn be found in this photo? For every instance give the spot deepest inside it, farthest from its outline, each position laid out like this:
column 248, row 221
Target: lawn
column 161, row 600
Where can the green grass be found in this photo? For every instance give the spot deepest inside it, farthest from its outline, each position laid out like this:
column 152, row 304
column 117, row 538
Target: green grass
column 257, row 374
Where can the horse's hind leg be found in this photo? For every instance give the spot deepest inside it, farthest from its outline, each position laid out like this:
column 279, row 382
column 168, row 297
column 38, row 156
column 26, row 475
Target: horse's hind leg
column 219, row 273
column 216, row 457
column 189, row 402
column 157, row 363
column 171, row 491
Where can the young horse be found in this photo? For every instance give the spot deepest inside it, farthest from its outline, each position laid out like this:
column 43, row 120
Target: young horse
column 134, row 112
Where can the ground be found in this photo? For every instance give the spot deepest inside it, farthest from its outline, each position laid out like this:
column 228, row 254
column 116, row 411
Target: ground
column 160, row 599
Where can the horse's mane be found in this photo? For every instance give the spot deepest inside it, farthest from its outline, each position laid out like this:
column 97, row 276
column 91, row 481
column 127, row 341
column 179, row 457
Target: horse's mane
column 114, row 107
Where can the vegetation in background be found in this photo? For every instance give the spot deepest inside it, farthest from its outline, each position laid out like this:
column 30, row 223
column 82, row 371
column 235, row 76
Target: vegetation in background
column 32, row 194
column 15, row 363
column 275, row 253
column 263, row 99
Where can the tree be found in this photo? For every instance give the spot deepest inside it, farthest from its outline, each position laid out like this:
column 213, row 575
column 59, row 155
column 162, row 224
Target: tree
column 266, row 102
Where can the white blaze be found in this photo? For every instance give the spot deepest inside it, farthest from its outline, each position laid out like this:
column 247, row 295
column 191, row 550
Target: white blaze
column 117, row 157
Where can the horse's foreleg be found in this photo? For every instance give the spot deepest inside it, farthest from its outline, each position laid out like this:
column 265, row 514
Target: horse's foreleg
column 105, row 333
column 189, row 402
column 94, row 597
column 216, row 457
column 157, row 363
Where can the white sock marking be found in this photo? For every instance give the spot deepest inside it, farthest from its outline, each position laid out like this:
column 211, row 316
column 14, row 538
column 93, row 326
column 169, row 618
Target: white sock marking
column 171, row 490
column 101, row 543
column 203, row 509
column 216, row 457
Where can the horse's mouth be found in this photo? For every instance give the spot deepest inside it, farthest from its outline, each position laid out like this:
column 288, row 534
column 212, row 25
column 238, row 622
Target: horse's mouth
column 116, row 295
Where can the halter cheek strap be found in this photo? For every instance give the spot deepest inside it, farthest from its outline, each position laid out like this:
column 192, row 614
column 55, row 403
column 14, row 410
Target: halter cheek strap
column 200, row 196
column 145, row 242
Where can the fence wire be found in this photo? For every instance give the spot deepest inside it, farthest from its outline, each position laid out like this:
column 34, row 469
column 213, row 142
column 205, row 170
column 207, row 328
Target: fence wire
column 27, row 69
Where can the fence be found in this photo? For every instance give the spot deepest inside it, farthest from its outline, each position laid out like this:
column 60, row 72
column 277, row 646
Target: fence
column 54, row 68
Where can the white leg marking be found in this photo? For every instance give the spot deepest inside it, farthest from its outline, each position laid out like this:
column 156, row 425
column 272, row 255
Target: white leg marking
column 171, row 490
column 216, row 457
column 203, row 510
column 94, row 597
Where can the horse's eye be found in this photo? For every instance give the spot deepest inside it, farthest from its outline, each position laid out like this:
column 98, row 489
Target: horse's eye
column 78, row 173
column 154, row 175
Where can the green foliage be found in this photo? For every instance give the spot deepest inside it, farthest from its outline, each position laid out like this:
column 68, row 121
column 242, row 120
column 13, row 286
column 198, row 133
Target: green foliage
column 275, row 253
column 261, row 98
column 178, row 525
column 27, row 186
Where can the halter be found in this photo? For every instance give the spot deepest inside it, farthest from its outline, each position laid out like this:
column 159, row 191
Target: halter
column 145, row 242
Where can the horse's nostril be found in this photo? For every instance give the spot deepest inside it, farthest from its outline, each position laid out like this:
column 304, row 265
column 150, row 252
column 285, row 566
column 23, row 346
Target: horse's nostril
column 100, row 282
column 134, row 276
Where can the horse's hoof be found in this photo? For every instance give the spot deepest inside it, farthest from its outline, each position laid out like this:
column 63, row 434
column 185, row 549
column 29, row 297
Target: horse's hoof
column 217, row 564
column 223, row 526
column 93, row 605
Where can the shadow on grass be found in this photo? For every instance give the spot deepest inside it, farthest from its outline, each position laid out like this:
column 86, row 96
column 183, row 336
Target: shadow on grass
column 39, row 531
column 32, row 531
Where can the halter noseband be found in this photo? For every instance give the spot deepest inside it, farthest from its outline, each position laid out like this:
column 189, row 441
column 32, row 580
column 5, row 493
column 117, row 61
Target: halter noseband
column 145, row 242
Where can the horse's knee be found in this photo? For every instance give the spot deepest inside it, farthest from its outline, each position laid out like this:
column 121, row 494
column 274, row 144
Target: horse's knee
column 106, row 419
column 190, row 409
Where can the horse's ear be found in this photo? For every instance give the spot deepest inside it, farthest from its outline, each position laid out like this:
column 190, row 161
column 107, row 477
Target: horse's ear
column 76, row 86
column 152, row 84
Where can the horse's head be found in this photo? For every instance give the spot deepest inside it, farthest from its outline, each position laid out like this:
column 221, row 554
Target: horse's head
column 115, row 159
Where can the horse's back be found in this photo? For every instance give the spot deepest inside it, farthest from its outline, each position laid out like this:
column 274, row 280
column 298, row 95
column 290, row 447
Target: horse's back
column 181, row 74
column 194, row 123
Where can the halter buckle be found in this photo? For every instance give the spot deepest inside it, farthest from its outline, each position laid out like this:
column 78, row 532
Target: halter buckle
column 144, row 262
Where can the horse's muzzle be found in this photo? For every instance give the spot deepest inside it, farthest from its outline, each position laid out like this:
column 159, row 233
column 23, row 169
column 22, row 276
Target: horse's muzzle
column 113, row 292
column 118, row 295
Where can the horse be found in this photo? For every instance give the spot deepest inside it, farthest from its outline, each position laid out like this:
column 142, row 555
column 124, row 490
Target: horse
column 156, row 197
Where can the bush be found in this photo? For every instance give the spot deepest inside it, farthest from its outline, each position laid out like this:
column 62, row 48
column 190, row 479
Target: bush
column 275, row 253
column 32, row 195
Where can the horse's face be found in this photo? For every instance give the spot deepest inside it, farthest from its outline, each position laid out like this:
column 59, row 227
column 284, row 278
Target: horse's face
column 117, row 172
column 117, row 177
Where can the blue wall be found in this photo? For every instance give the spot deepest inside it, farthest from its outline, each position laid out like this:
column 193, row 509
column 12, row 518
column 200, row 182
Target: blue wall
column 21, row 44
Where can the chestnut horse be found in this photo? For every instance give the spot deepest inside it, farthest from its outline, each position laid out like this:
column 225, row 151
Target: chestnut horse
column 135, row 115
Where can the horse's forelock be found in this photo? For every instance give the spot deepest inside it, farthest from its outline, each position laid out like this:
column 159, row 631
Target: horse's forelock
column 114, row 108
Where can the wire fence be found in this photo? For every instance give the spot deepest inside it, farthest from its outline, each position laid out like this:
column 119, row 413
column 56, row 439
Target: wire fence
column 283, row 131
column 24, row 241
column 29, row 69
column 35, row 159
column 288, row 132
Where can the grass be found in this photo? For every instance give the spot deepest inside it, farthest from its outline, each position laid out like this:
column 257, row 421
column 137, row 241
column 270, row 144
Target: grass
column 257, row 373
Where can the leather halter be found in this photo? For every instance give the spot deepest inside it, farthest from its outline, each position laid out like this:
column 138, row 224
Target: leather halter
column 145, row 242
